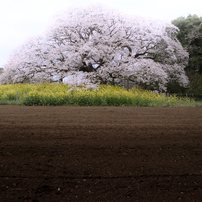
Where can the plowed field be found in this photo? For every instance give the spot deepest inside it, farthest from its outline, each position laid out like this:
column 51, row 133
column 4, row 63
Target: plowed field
column 100, row 154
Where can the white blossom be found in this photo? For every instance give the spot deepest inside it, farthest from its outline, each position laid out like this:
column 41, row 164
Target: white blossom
column 96, row 45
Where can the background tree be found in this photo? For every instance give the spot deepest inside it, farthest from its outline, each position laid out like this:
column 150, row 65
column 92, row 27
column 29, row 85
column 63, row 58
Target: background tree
column 190, row 36
column 186, row 26
column 99, row 45
column 195, row 49
column 195, row 62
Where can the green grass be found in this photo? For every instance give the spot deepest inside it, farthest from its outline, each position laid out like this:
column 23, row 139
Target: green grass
column 11, row 102
column 196, row 104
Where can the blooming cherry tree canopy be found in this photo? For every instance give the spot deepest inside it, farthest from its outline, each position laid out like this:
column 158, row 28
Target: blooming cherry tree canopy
column 96, row 45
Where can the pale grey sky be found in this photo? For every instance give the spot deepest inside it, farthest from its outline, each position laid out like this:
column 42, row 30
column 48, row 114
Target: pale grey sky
column 20, row 19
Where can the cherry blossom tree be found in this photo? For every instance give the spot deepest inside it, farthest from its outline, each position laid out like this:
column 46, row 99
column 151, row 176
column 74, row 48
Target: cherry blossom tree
column 96, row 45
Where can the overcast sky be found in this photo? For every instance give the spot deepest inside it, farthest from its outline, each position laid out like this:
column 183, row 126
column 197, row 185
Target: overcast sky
column 20, row 19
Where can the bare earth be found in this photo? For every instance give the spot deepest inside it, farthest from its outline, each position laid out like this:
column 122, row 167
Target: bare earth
column 100, row 154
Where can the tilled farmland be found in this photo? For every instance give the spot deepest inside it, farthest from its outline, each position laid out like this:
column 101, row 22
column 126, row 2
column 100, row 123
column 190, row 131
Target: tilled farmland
column 100, row 154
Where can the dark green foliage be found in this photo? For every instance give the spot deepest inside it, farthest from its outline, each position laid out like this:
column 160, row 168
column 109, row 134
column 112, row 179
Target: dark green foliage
column 196, row 84
column 195, row 50
column 186, row 26
column 175, row 87
column 190, row 36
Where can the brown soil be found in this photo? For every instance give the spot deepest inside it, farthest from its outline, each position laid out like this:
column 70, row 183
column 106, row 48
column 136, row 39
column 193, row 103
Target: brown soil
column 100, row 154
